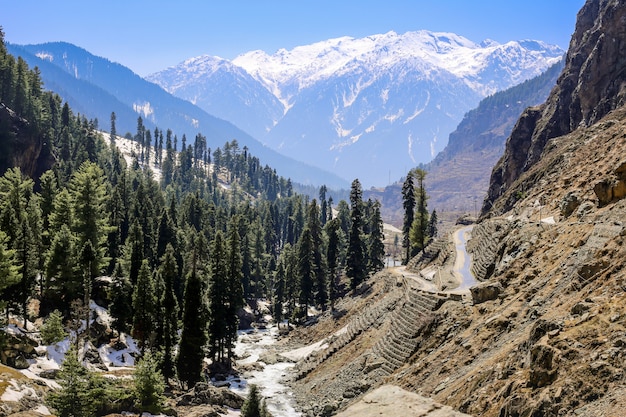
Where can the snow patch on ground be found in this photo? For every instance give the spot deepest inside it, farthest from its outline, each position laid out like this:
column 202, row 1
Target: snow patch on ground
column 120, row 359
column 301, row 353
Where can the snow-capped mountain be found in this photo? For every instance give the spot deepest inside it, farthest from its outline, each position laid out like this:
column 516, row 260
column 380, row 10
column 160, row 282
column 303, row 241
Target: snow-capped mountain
column 95, row 87
column 369, row 108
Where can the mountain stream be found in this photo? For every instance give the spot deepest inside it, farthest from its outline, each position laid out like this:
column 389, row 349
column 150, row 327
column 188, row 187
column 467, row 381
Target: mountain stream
column 253, row 347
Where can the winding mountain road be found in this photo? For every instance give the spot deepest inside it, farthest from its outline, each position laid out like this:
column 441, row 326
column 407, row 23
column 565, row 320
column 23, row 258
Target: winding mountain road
column 463, row 260
column 461, row 269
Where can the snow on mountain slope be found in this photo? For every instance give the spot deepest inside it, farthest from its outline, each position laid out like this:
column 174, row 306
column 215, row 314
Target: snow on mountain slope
column 371, row 107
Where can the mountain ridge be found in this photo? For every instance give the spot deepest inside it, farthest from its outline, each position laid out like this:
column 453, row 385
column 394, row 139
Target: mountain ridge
column 386, row 101
column 480, row 136
column 96, row 87
column 592, row 84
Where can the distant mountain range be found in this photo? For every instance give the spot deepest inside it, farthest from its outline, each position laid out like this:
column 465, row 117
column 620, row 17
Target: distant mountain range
column 370, row 108
column 95, row 87
column 458, row 178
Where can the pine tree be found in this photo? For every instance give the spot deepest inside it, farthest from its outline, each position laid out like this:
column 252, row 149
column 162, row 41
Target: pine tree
column 408, row 203
column 49, row 190
column 79, row 393
column 134, row 251
column 319, row 272
column 375, row 246
column 121, row 301
column 218, row 299
column 52, row 330
column 62, row 211
column 252, row 405
column 193, row 336
column 144, row 306
column 305, row 271
column 356, row 263
column 324, row 205
column 332, row 258
column 20, row 219
column 87, row 257
column 89, row 196
column 419, row 228
column 113, row 132
column 169, row 309
column 234, row 288
column 9, row 273
column 149, row 384
column 432, row 224
column 279, row 292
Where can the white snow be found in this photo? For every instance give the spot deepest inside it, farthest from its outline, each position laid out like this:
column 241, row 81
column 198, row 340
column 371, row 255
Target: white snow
column 145, row 108
column 306, row 65
column 301, row 353
column 287, row 72
column 46, row 56
column 120, row 359
column 250, row 346
column 419, row 110
column 42, row 409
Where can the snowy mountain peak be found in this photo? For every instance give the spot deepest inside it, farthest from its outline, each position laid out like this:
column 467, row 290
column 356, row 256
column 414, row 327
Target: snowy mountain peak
column 308, row 64
column 387, row 99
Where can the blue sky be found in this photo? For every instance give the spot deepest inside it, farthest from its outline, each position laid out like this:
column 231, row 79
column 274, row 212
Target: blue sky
column 148, row 36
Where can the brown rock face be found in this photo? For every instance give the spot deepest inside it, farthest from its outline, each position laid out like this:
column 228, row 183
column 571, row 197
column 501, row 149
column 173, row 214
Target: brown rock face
column 22, row 148
column 592, row 84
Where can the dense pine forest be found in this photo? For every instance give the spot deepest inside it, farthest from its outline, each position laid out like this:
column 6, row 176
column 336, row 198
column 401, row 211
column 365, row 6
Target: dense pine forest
column 175, row 257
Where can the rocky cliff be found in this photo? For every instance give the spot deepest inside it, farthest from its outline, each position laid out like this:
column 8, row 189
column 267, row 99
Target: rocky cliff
column 592, row 84
column 22, row 146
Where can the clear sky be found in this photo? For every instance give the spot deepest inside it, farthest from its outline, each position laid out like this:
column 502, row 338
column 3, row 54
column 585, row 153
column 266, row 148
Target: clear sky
column 148, row 36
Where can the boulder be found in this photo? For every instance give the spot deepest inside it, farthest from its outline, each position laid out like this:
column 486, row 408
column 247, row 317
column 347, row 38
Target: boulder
column 584, row 209
column 203, row 411
column 543, row 369
column 18, row 348
column 485, row 291
column 579, row 308
column 569, row 203
column 92, row 357
column 204, row 393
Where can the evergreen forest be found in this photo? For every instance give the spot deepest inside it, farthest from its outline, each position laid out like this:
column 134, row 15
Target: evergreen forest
column 173, row 257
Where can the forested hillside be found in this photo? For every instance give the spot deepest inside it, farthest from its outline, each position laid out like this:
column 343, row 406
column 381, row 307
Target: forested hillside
column 184, row 253
column 94, row 87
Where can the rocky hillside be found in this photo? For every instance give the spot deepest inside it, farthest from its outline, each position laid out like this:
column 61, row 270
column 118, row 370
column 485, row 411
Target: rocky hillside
column 592, row 84
column 545, row 333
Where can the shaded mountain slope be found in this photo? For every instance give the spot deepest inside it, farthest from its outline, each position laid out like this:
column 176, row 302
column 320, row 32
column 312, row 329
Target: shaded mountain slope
column 96, row 87
column 458, row 178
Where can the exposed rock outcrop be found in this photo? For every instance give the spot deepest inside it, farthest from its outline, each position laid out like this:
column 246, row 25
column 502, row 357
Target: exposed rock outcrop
column 18, row 348
column 30, row 152
column 485, row 291
column 592, row 84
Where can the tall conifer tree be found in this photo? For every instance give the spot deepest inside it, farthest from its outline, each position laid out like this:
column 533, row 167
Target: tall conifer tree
column 169, row 309
column 356, row 264
column 194, row 335
column 408, row 203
